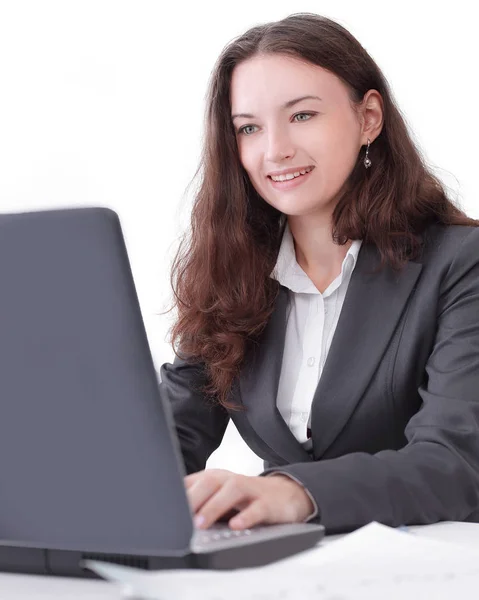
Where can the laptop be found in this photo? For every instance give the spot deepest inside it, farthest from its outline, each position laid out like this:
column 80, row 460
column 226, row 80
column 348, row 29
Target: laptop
column 90, row 465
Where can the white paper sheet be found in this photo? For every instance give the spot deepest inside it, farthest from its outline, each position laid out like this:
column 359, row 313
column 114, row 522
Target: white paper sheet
column 374, row 562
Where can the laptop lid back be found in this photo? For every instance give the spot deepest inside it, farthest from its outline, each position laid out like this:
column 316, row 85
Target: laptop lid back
column 88, row 457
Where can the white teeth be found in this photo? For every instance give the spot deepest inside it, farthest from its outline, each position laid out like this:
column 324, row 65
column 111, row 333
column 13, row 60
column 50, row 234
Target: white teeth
column 290, row 175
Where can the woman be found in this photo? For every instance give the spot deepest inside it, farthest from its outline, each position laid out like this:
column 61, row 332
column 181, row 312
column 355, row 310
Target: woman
column 333, row 316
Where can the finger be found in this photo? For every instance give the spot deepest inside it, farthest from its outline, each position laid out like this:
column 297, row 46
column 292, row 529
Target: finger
column 254, row 514
column 193, row 477
column 232, row 494
column 201, row 490
column 189, row 480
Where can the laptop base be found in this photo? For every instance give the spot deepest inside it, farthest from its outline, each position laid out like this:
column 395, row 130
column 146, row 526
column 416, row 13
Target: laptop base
column 68, row 563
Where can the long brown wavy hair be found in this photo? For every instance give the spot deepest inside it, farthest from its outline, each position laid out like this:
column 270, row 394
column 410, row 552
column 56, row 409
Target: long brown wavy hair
column 221, row 275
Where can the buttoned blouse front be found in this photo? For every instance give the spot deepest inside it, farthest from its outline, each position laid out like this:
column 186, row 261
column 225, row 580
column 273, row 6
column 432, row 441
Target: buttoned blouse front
column 311, row 320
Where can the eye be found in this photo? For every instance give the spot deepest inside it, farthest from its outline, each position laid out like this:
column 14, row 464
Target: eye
column 242, row 130
column 304, row 113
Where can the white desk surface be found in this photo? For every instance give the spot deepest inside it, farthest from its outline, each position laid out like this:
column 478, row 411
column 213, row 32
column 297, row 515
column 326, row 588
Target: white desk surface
column 23, row 587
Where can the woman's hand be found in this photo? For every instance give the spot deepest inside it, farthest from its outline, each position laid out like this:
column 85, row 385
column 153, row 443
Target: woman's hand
column 213, row 493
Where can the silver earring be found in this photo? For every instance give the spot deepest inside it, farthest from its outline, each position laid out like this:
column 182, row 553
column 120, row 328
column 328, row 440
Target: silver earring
column 367, row 160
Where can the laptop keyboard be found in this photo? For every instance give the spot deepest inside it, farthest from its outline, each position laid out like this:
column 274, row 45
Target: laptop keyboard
column 219, row 535
column 217, row 532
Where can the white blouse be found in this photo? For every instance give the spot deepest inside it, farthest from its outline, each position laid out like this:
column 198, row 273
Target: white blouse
column 312, row 317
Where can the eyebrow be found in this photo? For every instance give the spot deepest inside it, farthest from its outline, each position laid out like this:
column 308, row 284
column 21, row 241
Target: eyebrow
column 288, row 104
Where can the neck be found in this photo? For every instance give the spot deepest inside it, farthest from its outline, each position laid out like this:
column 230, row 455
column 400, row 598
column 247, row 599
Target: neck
column 316, row 252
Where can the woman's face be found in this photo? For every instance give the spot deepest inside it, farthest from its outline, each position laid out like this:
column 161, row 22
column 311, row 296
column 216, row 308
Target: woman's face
column 324, row 134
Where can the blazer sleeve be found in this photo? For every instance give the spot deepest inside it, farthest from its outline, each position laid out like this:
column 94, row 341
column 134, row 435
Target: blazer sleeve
column 435, row 476
column 200, row 426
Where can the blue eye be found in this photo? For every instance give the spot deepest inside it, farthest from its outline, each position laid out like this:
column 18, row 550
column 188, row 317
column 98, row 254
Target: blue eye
column 241, row 130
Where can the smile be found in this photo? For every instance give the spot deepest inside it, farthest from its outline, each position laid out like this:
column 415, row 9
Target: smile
column 294, row 182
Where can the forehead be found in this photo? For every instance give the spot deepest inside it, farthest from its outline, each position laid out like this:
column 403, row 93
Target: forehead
column 268, row 81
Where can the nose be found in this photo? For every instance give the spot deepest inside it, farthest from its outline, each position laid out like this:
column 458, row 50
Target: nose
column 279, row 147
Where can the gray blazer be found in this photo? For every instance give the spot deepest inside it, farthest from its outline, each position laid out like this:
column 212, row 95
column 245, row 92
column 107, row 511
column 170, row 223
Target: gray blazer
column 395, row 416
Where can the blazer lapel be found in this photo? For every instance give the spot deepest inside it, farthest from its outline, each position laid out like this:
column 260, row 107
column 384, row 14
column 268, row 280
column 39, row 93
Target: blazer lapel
column 371, row 310
column 258, row 385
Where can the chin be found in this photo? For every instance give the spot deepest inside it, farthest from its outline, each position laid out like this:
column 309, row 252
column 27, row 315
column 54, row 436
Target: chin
column 295, row 209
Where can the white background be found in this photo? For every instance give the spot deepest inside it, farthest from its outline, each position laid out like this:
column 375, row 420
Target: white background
column 101, row 103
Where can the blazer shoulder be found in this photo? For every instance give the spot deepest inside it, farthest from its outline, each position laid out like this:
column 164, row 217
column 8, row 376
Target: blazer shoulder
column 443, row 242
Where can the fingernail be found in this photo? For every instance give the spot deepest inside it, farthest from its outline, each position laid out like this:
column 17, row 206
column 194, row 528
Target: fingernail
column 237, row 522
column 199, row 520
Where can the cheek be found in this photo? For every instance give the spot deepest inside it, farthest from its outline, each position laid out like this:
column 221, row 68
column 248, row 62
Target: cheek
column 247, row 157
column 252, row 165
column 342, row 150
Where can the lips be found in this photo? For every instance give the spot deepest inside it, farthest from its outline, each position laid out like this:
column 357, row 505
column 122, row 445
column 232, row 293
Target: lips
column 289, row 184
column 308, row 170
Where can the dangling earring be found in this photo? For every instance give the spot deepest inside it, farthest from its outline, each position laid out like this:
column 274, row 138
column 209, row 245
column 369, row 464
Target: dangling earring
column 367, row 161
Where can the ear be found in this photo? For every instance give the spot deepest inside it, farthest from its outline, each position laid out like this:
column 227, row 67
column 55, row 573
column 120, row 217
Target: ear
column 372, row 115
